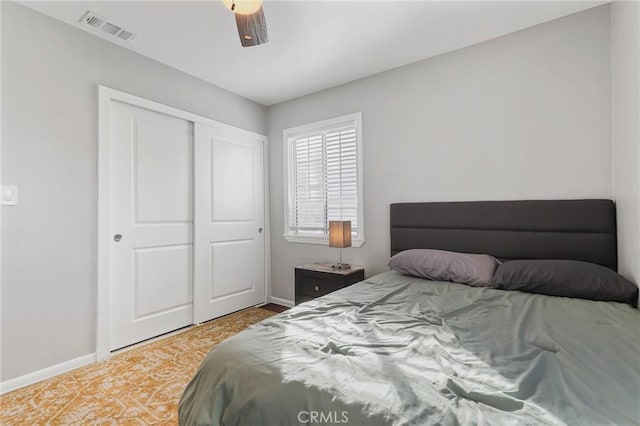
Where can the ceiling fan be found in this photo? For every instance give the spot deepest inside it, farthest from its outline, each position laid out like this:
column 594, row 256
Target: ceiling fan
column 252, row 27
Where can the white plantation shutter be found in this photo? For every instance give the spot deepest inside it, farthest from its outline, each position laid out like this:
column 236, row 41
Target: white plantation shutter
column 309, row 186
column 341, row 176
column 324, row 178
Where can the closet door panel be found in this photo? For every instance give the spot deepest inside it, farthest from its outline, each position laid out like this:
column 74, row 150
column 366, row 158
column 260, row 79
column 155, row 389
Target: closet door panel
column 229, row 221
column 151, row 224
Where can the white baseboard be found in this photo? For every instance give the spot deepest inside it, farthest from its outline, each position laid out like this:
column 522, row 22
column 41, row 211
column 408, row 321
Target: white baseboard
column 283, row 302
column 45, row 373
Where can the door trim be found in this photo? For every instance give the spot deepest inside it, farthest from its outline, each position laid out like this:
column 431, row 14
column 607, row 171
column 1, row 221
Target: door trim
column 105, row 96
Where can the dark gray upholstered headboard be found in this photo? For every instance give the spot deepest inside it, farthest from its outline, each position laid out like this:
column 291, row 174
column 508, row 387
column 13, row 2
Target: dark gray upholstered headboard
column 546, row 229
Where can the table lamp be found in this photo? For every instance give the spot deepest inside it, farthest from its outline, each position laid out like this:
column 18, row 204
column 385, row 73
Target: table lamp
column 340, row 236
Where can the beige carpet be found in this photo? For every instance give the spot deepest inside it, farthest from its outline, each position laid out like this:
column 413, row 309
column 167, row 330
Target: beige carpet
column 141, row 386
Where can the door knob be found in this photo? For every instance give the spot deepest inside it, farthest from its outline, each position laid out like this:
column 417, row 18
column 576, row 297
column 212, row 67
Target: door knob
column 117, row 238
column 260, row 230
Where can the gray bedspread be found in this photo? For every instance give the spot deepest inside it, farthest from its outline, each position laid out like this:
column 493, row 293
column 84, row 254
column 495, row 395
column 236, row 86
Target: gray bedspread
column 407, row 351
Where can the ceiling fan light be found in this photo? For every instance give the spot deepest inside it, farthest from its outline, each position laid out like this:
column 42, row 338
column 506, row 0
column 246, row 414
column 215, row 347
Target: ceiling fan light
column 243, row 7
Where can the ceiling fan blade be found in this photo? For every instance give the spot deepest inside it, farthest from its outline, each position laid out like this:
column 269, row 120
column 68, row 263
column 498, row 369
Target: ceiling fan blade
column 252, row 28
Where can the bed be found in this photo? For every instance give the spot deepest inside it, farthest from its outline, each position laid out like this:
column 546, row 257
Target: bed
column 399, row 350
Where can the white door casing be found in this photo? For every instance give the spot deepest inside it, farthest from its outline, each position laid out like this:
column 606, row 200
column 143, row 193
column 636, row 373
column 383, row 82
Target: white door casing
column 229, row 213
column 151, row 209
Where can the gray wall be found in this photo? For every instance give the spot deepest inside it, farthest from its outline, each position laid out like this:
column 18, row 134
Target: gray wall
column 523, row 116
column 50, row 77
column 625, row 54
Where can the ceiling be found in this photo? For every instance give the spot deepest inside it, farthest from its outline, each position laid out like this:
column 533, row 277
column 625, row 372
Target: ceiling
column 312, row 45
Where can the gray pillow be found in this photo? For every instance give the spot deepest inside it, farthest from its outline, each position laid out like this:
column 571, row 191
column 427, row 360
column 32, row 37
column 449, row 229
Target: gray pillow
column 440, row 265
column 567, row 278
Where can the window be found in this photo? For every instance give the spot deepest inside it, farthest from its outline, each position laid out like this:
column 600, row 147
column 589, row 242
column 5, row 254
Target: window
column 324, row 179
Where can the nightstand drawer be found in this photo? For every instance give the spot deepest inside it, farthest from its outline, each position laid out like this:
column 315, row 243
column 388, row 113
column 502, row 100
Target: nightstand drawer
column 315, row 287
column 315, row 280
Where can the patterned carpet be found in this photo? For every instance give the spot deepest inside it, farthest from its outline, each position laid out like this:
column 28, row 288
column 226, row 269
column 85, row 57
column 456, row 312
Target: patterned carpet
column 141, row 386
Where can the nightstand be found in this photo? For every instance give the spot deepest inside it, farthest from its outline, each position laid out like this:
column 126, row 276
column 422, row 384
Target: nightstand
column 318, row 279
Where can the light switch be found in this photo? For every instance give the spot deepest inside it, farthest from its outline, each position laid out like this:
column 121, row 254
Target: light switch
column 8, row 195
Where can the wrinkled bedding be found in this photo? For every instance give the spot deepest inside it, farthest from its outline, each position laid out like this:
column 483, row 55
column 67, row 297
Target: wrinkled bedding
column 397, row 350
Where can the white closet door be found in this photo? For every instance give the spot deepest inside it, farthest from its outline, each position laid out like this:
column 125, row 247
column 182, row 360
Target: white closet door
column 229, row 220
column 151, row 223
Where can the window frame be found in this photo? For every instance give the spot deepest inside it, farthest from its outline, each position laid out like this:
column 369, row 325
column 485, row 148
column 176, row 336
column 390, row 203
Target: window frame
column 288, row 136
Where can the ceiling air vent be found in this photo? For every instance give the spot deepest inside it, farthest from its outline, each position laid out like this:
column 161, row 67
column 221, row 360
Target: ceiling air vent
column 98, row 22
column 125, row 35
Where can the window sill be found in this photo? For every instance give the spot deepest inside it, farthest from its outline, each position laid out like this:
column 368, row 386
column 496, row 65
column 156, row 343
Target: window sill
column 305, row 239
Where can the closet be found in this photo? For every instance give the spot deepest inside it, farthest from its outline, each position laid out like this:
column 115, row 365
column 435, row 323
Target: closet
column 186, row 218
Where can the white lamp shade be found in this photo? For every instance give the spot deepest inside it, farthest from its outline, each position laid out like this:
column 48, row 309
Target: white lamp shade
column 243, row 7
column 340, row 233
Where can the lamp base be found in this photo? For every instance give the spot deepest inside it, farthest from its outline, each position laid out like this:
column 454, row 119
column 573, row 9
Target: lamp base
column 340, row 266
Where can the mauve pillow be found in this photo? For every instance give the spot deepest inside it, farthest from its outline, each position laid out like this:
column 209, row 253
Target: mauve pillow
column 440, row 265
column 567, row 278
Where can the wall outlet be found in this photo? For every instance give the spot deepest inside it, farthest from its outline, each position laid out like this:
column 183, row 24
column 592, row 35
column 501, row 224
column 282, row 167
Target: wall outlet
column 8, row 195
